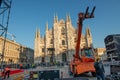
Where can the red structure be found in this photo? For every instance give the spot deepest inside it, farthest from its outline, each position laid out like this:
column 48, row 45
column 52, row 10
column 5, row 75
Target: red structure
column 81, row 64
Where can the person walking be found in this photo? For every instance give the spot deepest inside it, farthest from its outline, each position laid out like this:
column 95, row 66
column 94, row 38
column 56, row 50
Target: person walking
column 20, row 65
column 61, row 75
column 99, row 69
column 7, row 72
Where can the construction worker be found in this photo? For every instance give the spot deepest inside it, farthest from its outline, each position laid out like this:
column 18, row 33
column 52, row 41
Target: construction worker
column 99, row 69
column 6, row 72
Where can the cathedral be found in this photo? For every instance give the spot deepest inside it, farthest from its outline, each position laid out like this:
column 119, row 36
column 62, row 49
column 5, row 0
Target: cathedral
column 59, row 42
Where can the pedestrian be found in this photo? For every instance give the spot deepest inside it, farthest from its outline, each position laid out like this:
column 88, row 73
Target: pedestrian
column 7, row 72
column 61, row 75
column 20, row 66
column 99, row 69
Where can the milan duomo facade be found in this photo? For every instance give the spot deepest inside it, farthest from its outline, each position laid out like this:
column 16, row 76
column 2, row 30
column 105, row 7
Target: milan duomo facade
column 59, row 42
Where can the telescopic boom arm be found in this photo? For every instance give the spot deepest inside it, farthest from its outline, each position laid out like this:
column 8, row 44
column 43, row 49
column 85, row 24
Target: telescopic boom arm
column 82, row 17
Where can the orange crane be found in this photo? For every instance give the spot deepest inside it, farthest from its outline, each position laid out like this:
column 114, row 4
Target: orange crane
column 82, row 64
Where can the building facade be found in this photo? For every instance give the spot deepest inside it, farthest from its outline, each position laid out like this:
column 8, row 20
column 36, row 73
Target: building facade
column 59, row 42
column 14, row 53
column 112, row 44
column 100, row 51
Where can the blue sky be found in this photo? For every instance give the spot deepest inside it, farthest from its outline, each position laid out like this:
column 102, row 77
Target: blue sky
column 27, row 15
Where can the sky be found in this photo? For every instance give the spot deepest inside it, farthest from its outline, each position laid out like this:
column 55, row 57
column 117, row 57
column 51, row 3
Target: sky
column 27, row 15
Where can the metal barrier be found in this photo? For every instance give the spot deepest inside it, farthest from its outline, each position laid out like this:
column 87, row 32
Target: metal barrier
column 45, row 75
column 115, row 73
column 77, row 78
column 49, row 74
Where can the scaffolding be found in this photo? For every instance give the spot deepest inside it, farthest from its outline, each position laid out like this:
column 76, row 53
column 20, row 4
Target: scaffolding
column 5, row 6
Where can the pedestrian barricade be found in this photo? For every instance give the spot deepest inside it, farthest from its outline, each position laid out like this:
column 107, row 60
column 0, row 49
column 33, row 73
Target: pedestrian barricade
column 44, row 75
column 114, row 73
column 49, row 74
column 77, row 78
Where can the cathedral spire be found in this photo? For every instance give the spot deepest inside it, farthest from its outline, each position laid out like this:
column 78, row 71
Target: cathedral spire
column 47, row 26
column 37, row 33
column 88, row 33
column 68, row 19
column 55, row 18
column 88, row 37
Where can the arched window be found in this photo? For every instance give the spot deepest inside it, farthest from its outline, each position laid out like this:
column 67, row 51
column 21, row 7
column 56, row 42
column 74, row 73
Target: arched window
column 75, row 39
column 43, row 49
column 51, row 41
column 63, row 42
column 63, row 31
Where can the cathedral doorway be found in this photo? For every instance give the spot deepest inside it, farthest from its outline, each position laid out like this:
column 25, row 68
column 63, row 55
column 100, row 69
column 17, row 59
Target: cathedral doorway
column 51, row 59
column 52, row 55
column 43, row 59
column 64, row 59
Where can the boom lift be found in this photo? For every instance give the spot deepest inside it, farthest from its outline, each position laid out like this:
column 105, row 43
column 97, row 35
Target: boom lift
column 82, row 64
